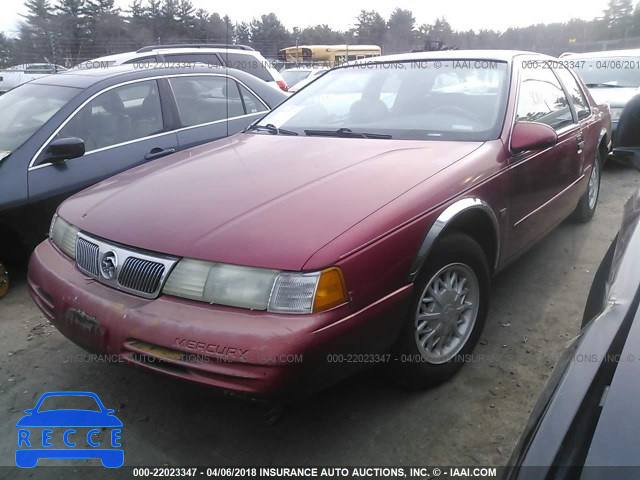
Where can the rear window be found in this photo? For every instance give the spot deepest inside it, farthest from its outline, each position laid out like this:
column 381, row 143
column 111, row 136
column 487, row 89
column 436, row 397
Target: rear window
column 607, row 72
column 294, row 76
column 248, row 63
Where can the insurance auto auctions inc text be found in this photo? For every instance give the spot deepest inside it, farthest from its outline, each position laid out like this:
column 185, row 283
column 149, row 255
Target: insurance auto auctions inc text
column 371, row 472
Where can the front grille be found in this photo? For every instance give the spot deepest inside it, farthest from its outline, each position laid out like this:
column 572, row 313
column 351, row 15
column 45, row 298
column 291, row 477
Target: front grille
column 129, row 269
column 87, row 256
column 141, row 275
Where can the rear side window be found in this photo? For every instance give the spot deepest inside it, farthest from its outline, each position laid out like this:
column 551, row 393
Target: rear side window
column 206, row 99
column 251, row 103
column 542, row 99
column 210, row 59
column 575, row 93
column 247, row 63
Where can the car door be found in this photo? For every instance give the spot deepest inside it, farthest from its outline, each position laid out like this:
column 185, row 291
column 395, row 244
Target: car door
column 588, row 122
column 122, row 127
column 212, row 107
column 541, row 181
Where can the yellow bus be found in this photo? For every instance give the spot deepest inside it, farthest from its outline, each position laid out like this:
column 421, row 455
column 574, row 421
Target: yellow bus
column 328, row 55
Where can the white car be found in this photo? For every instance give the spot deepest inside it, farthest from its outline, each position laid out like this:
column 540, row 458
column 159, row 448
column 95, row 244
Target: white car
column 240, row 57
column 14, row 76
column 298, row 77
column 611, row 77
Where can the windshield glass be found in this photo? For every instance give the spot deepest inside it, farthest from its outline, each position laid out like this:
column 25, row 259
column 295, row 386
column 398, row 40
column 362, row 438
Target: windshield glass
column 614, row 71
column 26, row 108
column 294, row 76
column 429, row 99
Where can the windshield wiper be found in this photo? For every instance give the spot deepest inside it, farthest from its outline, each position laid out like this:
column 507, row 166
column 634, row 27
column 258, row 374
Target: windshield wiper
column 344, row 132
column 271, row 128
column 606, row 85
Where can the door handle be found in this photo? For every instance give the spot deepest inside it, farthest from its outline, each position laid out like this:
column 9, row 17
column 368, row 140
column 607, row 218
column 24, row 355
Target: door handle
column 158, row 152
column 580, row 139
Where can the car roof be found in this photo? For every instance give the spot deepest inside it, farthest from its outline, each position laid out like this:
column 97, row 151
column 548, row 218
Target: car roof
column 633, row 52
column 202, row 50
column 149, row 53
column 497, row 55
column 84, row 78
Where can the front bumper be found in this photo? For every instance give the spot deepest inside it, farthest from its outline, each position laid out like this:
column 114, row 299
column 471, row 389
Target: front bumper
column 247, row 352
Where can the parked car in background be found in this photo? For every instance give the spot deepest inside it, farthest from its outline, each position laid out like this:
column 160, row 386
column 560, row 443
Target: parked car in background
column 585, row 422
column 297, row 77
column 14, row 76
column 62, row 133
column 360, row 222
column 611, row 77
column 239, row 57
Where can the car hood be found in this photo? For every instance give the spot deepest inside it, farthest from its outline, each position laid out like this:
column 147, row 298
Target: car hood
column 615, row 97
column 257, row 199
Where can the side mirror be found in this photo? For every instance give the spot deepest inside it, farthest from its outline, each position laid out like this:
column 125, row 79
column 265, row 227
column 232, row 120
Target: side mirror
column 532, row 136
column 63, row 149
column 629, row 156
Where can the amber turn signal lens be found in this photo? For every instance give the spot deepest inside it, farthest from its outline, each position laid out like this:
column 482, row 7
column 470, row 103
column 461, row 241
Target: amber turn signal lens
column 331, row 290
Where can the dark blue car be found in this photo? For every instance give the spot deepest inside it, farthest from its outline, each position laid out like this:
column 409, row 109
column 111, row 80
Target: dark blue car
column 62, row 133
column 85, row 432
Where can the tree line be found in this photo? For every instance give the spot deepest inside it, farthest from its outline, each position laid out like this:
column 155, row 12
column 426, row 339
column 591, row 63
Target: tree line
column 69, row 31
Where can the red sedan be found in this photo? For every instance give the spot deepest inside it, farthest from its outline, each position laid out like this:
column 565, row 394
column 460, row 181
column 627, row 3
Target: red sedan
column 358, row 223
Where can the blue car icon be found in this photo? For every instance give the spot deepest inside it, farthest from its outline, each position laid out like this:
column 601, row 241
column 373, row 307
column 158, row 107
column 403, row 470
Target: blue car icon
column 61, row 433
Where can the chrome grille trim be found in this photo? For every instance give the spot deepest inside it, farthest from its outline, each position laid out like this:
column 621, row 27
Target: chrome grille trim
column 138, row 272
column 141, row 275
column 87, row 254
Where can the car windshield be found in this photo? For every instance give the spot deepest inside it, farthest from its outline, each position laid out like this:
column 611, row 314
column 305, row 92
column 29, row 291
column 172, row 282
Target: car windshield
column 25, row 109
column 294, row 76
column 69, row 402
column 608, row 72
column 424, row 100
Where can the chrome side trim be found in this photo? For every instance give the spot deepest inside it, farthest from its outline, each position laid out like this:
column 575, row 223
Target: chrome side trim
column 75, row 112
column 443, row 221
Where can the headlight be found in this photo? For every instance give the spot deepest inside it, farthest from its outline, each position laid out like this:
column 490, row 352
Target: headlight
column 256, row 288
column 615, row 113
column 64, row 236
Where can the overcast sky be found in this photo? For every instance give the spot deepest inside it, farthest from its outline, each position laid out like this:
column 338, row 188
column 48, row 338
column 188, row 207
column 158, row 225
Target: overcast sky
column 461, row 14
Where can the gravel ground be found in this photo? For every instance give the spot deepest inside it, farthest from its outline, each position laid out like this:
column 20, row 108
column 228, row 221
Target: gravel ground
column 473, row 419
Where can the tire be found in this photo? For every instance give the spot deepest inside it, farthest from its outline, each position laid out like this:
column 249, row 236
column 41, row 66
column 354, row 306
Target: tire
column 586, row 207
column 422, row 366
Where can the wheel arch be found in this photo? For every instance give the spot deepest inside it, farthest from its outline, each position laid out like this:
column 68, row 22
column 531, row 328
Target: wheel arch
column 603, row 144
column 472, row 216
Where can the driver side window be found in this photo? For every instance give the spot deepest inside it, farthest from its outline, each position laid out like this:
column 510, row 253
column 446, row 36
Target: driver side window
column 542, row 99
column 117, row 116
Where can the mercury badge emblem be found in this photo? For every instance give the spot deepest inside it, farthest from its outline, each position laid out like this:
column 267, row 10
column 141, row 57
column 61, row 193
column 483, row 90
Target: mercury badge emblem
column 109, row 265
